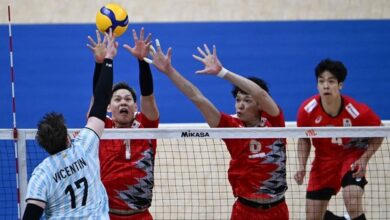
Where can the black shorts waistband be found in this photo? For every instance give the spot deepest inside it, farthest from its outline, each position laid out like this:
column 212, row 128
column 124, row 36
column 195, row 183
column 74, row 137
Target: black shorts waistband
column 260, row 205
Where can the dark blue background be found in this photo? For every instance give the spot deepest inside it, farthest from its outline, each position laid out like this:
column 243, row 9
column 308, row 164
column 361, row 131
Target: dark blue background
column 53, row 70
column 53, row 67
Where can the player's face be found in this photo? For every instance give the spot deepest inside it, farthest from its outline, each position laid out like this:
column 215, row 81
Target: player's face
column 246, row 109
column 328, row 86
column 122, row 107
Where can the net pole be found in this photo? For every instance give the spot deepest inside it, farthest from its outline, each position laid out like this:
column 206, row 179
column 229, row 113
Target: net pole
column 15, row 131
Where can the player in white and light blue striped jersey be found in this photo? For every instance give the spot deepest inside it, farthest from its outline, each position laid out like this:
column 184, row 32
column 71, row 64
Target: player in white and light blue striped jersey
column 67, row 184
column 69, row 181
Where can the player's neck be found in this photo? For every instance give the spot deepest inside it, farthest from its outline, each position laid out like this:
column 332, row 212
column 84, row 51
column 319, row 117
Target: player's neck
column 332, row 106
column 122, row 125
column 253, row 123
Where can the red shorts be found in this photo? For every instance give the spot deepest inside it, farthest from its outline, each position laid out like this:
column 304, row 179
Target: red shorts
column 139, row 216
column 329, row 173
column 244, row 212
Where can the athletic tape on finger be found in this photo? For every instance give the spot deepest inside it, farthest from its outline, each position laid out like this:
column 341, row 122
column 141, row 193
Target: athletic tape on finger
column 152, row 49
column 148, row 60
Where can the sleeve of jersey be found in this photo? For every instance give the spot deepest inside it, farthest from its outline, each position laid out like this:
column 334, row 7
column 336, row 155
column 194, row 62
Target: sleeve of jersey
column 96, row 75
column 302, row 117
column 227, row 121
column 37, row 186
column 148, row 123
column 277, row 121
column 370, row 118
column 88, row 140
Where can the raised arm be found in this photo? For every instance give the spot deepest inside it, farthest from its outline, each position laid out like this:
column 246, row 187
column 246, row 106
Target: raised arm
column 213, row 66
column 102, row 92
column 98, row 48
column 163, row 63
column 140, row 51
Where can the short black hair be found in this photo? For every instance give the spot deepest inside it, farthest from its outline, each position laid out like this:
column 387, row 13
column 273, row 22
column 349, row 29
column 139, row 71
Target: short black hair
column 335, row 67
column 124, row 85
column 52, row 133
column 254, row 79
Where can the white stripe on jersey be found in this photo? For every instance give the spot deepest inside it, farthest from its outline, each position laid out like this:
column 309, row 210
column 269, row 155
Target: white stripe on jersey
column 352, row 110
column 310, row 106
column 69, row 181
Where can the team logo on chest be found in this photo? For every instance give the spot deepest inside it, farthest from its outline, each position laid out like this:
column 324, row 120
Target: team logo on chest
column 347, row 122
column 263, row 121
column 318, row 119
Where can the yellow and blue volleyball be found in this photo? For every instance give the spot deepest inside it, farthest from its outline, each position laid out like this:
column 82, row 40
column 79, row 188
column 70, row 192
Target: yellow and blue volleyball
column 112, row 16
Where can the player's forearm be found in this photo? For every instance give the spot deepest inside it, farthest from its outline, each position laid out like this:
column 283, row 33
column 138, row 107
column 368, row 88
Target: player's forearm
column 243, row 83
column 95, row 79
column 96, row 75
column 262, row 98
column 103, row 91
column 185, row 86
column 208, row 110
column 145, row 78
column 303, row 153
column 34, row 210
column 373, row 145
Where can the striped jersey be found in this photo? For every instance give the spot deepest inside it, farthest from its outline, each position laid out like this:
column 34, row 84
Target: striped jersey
column 69, row 181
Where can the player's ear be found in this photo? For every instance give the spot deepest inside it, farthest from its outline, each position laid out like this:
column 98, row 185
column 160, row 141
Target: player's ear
column 68, row 140
column 135, row 107
column 340, row 85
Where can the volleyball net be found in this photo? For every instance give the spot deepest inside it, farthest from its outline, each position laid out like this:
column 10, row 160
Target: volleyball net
column 191, row 166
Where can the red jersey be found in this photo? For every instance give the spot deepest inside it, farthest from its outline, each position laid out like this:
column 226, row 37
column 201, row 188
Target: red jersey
column 127, row 167
column 257, row 166
column 353, row 113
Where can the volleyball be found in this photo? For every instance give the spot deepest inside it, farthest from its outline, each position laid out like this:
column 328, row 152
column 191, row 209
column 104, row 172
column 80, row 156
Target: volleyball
column 112, row 16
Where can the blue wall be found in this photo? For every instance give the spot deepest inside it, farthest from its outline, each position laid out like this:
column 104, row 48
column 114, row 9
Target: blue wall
column 53, row 70
column 53, row 67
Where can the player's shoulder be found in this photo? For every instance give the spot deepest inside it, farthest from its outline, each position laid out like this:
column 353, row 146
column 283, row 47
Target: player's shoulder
column 142, row 121
column 43, row 169
column 351, row 101
column 108, row 122
column 355, row 108
column 86, row 133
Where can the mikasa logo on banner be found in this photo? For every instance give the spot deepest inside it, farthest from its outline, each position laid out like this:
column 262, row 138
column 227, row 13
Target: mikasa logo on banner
column 347, row 122
column 194, row 134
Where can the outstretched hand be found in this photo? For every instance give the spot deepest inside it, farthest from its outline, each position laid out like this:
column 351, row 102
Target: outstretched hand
column 160, row 60
column 112, row 45
column 98, row 48
column 210, row 60
column 141, row 45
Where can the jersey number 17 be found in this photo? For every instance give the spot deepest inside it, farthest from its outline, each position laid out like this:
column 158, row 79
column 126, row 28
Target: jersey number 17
column 69, row 189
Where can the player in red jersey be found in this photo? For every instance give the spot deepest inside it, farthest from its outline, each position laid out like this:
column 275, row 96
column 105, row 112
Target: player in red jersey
column 257, row 171
column 338, row 162
column 127, row 165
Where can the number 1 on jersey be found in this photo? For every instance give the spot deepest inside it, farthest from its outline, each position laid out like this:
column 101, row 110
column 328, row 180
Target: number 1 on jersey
column 338, row 141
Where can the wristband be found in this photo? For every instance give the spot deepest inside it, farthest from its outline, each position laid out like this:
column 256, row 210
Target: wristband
column 222, row 73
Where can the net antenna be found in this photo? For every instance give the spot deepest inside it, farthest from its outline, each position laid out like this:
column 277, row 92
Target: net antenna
column 15, row 131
